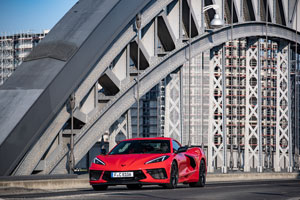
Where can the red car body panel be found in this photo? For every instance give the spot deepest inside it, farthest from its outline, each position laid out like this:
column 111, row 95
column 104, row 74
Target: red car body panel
column 188, row 164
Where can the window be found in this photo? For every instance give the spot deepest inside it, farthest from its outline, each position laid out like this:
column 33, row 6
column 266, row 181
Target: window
column 240, row 111
column 268, row 111
column 175, row 145
column 142, row 147
column 253, row 62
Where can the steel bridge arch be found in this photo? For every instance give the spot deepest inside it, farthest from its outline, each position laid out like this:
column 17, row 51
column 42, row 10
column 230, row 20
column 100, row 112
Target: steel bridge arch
column 125, row 98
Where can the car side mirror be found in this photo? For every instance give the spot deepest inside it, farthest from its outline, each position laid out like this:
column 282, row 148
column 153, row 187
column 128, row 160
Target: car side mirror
column 182, row 149
column 103, row 151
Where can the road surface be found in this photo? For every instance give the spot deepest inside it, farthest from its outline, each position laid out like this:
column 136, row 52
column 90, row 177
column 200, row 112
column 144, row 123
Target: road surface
column 254, row 190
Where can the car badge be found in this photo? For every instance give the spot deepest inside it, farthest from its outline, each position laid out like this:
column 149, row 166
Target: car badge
column 123, row 165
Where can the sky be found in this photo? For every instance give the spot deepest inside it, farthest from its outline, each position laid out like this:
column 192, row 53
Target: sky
column 31, row 15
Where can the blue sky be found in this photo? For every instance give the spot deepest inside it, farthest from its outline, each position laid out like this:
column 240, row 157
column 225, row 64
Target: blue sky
column 31, row 15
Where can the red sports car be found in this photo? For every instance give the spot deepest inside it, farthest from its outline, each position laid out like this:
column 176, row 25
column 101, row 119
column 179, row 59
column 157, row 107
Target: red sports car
column 154, row 161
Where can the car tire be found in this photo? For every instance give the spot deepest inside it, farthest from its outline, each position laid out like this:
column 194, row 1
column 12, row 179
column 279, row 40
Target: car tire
column 134, row 186
column 99, row 187
column 173, row 177
column 202, row 176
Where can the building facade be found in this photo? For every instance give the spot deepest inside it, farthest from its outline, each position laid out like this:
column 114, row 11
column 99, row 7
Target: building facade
column 246, row 95
column 14, row 49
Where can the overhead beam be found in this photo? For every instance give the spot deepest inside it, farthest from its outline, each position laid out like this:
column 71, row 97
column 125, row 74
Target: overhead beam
column 249, row 12
column 280, row 16
column 165, row 33
column 144, row 56
column 292, row 10
column 110, row 83
column 238, row 4
column 173, row 15
column 185, row 18
column 293, row 17
column 285, row 8
column 256, row 7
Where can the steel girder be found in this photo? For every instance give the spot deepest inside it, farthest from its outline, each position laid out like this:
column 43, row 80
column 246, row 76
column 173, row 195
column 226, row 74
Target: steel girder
column 55, row 69
column 33, row 157
column 151, row 76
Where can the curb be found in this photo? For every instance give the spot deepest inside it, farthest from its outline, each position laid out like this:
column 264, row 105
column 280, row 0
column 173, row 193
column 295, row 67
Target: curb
column 251, row 177
column 51, row 184
column 83, row 182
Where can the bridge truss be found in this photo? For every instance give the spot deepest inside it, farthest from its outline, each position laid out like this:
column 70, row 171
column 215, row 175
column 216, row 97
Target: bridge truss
column 92, row 53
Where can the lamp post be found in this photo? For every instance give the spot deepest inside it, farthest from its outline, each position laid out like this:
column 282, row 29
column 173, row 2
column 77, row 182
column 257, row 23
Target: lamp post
column 217, row 22
column 296, row 126
column 72, row 158
column 138, row 26
column 190, row 35
column 231, row 98
column 202, row 68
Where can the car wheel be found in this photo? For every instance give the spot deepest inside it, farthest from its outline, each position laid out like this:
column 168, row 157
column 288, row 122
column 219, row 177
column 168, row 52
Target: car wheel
column 202, row 176
column 173, row 177
column 134, row 186
column 99, row 187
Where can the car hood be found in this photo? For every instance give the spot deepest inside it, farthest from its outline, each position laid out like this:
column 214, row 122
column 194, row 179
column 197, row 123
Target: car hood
column 127, row 161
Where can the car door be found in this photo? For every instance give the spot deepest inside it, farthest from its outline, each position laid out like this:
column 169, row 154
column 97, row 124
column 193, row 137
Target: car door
column 181, row 159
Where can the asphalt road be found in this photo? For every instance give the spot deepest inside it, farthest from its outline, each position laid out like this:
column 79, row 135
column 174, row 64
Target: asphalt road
column 284, row 189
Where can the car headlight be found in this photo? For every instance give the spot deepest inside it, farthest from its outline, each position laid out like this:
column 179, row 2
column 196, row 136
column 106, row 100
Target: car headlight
column 98, row 161
column 159, row 159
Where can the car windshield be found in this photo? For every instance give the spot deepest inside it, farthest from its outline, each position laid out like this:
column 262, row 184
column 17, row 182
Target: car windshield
column 141, row 147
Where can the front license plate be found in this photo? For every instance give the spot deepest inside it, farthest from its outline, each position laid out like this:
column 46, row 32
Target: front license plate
column 121, row 174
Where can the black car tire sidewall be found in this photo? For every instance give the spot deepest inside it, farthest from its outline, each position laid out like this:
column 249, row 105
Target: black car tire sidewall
column 173, row 184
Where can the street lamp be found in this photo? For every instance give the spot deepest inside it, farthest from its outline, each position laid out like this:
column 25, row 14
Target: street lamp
column 217, row 22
